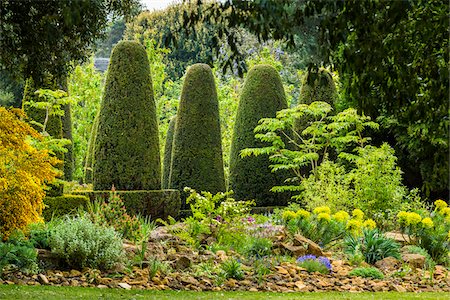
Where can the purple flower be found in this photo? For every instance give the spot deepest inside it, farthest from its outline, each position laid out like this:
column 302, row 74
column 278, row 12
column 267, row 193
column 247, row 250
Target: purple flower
column 305, row 258
column 219, row 218
column 325, row 261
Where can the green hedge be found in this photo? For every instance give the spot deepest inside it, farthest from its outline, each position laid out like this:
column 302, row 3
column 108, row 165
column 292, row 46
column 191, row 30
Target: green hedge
column 167, row 161
column 197, row 160
column 127, row 142
column 62, row 205
column 250, row 178
column 157, row 204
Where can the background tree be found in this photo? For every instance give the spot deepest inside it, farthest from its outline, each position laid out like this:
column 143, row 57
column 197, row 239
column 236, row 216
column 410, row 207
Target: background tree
column 392, row 64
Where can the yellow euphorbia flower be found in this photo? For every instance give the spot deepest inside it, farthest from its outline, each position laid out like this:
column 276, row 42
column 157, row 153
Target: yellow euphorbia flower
column 358, row 214
column 445, row 211
column 324, row 217
column 322, row 209
column 427, row 223
column 369, row 223
column 440, row 204
column 341, row 216
column 413, row 218
column 288, row 215
column 354, row 224
column 303, row 214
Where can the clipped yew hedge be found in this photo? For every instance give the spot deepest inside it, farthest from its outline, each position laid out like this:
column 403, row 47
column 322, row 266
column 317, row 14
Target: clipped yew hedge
column 157, row 204
column 197, row 147
column 126, row 151
column 250, row 177
column 63, row 205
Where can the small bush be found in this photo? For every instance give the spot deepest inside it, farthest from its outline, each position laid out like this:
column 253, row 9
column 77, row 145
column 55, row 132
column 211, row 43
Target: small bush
column 232, row 269
column 259, row 247
column 82, row 243
column 373, row 273
column 18, row 254
column 315, row 264
column 373, row 245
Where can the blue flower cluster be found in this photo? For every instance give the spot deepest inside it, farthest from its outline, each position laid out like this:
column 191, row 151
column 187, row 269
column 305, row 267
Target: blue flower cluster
column 322, row 259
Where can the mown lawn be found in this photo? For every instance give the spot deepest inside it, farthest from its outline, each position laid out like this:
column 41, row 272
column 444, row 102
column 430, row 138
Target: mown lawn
column 52, row 292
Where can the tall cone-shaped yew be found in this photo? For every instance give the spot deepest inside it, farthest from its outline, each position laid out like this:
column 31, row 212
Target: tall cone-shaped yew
column 197, row 147
column 126, row 152
column 250, row 177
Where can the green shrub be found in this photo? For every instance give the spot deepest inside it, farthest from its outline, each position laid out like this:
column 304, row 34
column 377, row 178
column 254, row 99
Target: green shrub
column 127, row 143
column 259, row 247
column 197, row 146
column 167, row 161
column 373, row 245
column 371, row 272
column 81, row 243
column 250, row 177
column 18, row 254
column 157, row 204
column 113, row 213
column 232, row 269
column 62, row 205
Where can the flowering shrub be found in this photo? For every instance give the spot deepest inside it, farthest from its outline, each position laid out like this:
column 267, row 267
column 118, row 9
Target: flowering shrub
column 431, row 230
column 315, row 264
column 25, row 168
column 322, row 226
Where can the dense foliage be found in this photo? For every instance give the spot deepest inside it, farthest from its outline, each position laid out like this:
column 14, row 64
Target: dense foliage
column 392, row 64
column 250, row 178
column 33, row 31
column 25, row 168
column 197, row 150
column 127, row 143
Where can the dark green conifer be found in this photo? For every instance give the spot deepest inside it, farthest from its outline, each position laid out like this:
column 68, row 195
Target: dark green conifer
column 127, row 143
column 250, row 177
column 167, row 161
column 197, row 147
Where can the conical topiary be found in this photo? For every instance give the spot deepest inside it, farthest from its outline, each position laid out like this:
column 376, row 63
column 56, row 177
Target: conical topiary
column 167, row 161
column 250, row 177
column 197, row 150
column 127, row 143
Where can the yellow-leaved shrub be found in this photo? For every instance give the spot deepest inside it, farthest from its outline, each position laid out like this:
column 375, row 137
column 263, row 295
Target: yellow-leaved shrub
column 24, row 171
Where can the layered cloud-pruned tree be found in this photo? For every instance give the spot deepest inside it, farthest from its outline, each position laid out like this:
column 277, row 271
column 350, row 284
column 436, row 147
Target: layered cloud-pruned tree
column 197, row 150
column 167, row 160
column 126, row 151
column 250, row 177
